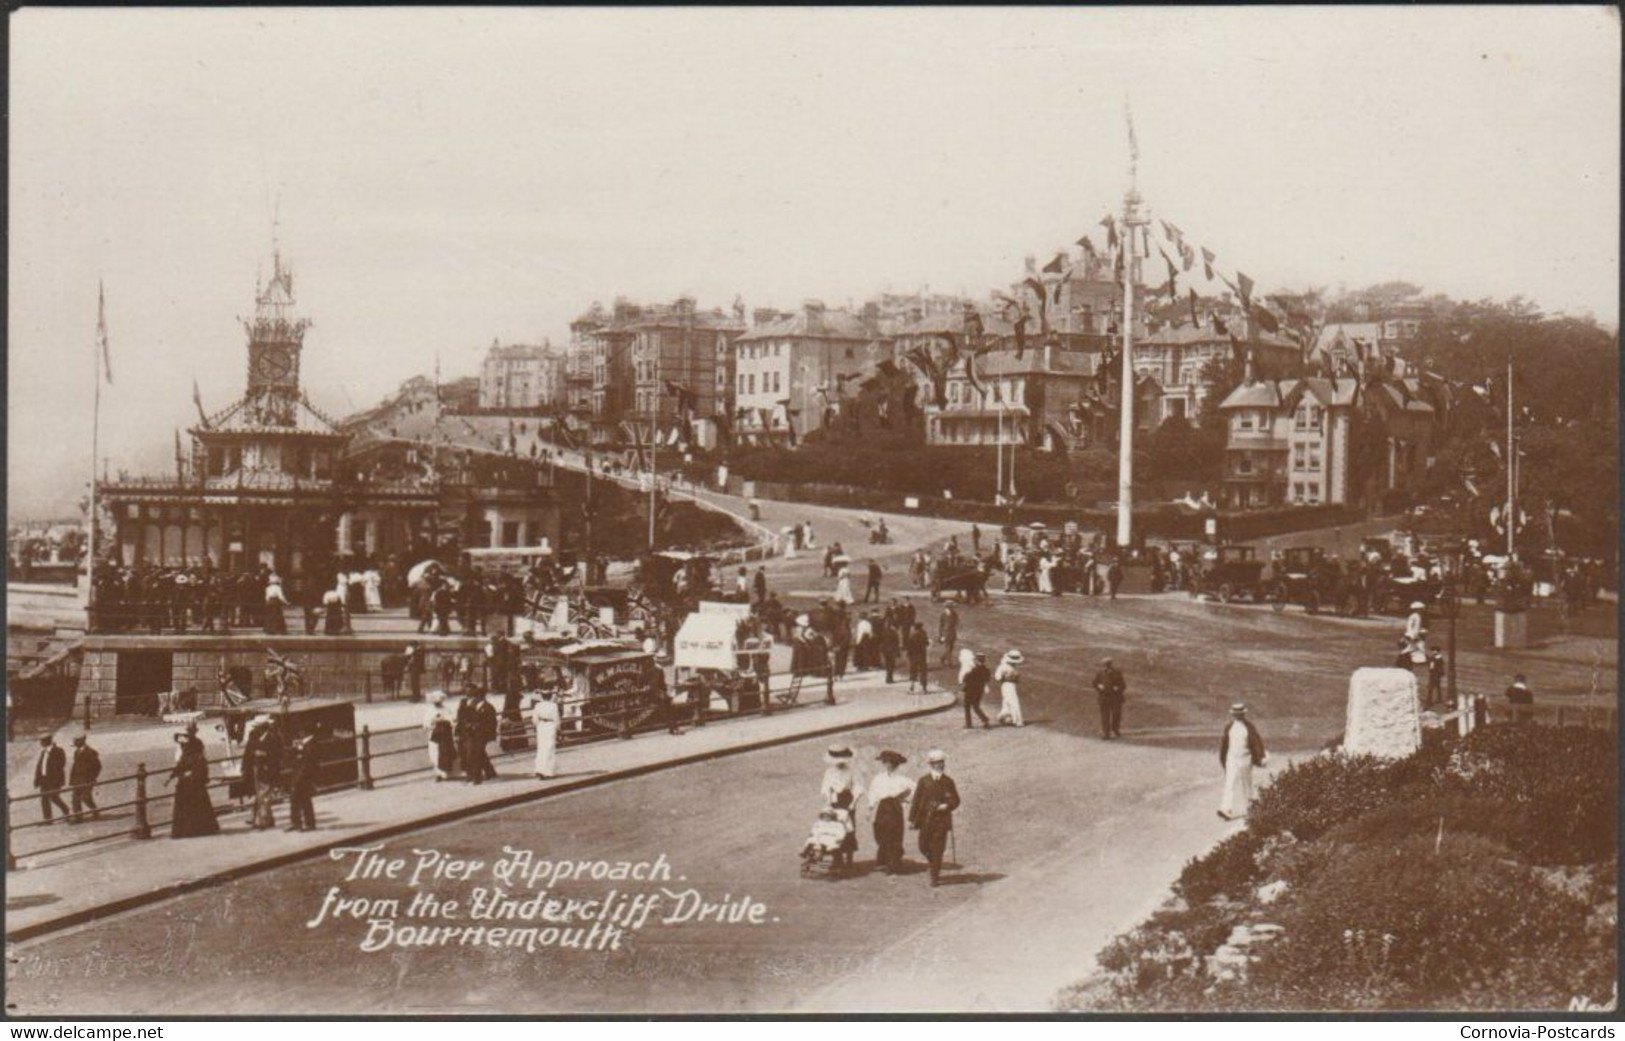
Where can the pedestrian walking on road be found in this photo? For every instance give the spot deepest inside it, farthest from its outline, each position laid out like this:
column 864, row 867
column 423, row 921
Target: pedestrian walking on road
column 193, row 812
column 891, row 645
column 50, row 775
column 871, row 589
column 975, row 540
column 973, row 684
column 948, row 632
column 843, row 586
column 931, row 811
column 545, row 714
column 485, row 718
column 442, row 736
column 302, row 785
column 1114, row 578
column 262, row 764
column 82, row 774
column 839, row 794
column 466, row 727
column 1240, row 749
column 918, row 645
column 759, row 584
column 1109, row 690
column 1008, row 677
column 887, row 794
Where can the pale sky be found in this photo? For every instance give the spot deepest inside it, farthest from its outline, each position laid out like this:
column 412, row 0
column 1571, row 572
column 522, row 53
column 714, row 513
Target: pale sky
column 447, row 178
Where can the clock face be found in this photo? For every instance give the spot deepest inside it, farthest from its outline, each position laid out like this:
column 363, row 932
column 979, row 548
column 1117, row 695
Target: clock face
column 272, row 364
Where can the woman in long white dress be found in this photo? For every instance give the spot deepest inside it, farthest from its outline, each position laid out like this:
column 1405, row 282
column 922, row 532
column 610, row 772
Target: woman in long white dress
column 843, row 586
column 373, row 584
column 1008, row 677
column 545, row 714
column 839, row 792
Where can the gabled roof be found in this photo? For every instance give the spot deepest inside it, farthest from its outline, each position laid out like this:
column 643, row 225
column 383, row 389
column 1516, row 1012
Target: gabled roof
column 1032, row 363
column 813, row 325
column 1343, row 334
column 1330, row 393
column 1266, row 394
column 954, row 322
column 1185, row 334
column 247, row 416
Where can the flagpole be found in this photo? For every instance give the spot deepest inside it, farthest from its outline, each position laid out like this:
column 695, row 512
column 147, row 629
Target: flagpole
column 1512, row 470
column 1131, row 269
column 98, row 345
column 998, row 455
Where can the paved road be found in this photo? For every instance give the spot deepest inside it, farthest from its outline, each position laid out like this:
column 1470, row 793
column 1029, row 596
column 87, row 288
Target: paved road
column 1064, row 840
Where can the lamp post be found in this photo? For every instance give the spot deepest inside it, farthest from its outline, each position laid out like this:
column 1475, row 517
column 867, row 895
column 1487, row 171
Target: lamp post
column 1448, row 607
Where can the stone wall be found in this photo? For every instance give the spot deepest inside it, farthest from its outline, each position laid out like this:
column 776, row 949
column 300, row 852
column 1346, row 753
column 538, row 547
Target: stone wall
column 347, row 667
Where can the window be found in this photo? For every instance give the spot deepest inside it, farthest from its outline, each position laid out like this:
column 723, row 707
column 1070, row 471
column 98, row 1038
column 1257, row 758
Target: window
column 751, row 383
column 1244, row 465
column 1312, row 457
column 1307, row 416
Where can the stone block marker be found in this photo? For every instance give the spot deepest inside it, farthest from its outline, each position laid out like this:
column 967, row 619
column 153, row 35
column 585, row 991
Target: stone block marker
column 1384, row 714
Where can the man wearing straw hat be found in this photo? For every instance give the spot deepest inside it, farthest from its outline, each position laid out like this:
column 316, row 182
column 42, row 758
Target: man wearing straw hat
column 1240, row 749
column 931, row 812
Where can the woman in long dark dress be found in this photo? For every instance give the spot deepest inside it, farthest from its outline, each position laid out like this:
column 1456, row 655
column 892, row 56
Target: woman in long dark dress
column 887, row 793
column 194, row 813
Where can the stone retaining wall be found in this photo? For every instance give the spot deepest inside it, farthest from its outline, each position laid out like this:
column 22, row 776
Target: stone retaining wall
column 333, row 667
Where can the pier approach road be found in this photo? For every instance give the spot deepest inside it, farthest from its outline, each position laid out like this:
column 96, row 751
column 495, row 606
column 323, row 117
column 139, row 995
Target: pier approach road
column 1063, row 840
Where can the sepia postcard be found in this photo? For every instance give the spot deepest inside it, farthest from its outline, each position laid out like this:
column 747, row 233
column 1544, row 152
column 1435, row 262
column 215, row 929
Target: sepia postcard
column 812, row 512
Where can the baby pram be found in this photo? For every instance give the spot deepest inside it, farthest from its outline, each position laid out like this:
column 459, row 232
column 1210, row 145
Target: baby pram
column 823, row 845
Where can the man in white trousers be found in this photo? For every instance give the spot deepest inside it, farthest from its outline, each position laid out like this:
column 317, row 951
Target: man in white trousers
column 1240, row 749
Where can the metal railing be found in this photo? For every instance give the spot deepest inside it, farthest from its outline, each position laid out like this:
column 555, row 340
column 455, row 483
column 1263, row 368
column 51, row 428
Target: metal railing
column 1595, row 715
column 138, row 804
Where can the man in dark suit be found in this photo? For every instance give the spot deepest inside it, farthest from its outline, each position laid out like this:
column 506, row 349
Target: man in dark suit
column 82, row 775
column 931, row 812
column 302, row 785
column 485, row 731
column 1109, row 690
column 470, row 752
column 917, row 645
column 948, row 632
column 975, row 687
column 50, row 773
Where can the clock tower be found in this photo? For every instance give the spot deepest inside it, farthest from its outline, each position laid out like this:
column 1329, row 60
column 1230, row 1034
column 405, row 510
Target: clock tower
column 275, row 338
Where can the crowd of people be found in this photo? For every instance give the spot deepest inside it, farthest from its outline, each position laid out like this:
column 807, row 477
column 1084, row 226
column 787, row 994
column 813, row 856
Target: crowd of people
column 201, row 598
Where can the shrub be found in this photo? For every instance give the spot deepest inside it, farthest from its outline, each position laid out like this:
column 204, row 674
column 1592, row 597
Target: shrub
column 1230, row 869
column 1313, row 796
column 1420, row 923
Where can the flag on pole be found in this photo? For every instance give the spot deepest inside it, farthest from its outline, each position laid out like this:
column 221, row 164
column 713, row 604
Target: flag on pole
column 1207, row 262
column 1172, row 289
column 1088, row 247
column 1054, row 266
column 197, row 399
column 180, row 466
column 1111, row 231
column 1194, row 319
column 101, row 331
column 1245, row 288
column 1187, row 254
